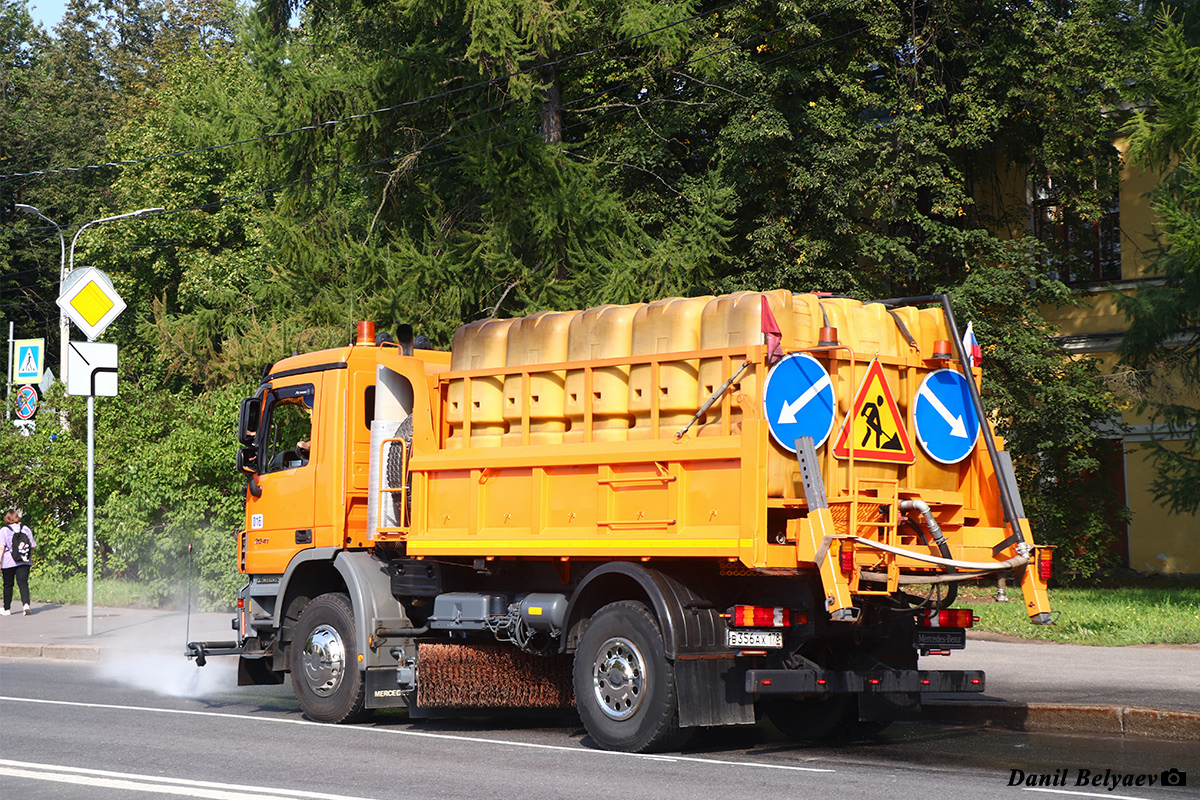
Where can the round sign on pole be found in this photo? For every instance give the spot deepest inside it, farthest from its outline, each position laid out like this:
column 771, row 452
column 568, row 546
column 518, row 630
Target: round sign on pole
column 798, row 401
column 944, row 417
column 26, row 402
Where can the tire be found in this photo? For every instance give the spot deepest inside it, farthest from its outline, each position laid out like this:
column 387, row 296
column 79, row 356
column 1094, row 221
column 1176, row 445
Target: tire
column 325, row 674
column 809, row 719
column 624, row 684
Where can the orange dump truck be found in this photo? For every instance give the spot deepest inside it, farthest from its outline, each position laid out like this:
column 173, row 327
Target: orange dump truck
column 669, row 515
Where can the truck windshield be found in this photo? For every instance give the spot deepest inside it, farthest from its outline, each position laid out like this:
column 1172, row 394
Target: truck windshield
column 289, row 421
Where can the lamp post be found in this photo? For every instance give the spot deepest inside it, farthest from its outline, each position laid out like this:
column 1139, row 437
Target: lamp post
column 86, row 225
column 91, row 443
column 64, row 325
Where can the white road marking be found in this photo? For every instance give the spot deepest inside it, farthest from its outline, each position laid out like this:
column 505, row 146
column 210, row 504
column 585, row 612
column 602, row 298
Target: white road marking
column 155, row 783
column 1083, row 794
column 414, row 734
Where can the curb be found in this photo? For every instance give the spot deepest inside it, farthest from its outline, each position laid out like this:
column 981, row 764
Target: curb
column 59, row 652
column 1133, row 721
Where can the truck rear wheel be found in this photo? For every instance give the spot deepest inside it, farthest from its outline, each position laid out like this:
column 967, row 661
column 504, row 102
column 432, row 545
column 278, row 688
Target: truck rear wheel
column 325, row 674
column 624, row 684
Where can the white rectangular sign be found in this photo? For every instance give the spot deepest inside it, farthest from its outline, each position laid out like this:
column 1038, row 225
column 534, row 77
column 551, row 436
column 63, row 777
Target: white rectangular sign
column 92, row 369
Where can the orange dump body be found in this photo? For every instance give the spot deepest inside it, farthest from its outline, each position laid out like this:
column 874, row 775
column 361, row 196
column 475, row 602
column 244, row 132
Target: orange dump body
column 576, row 435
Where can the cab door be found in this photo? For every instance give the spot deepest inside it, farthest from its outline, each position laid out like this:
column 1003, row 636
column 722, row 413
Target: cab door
column 280, row 521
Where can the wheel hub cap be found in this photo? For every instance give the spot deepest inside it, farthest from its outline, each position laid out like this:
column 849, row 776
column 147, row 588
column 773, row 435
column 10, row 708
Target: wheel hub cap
column 324, row 660
column 619, row 677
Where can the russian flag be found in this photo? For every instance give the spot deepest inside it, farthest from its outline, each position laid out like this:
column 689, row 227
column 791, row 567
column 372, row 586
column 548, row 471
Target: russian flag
column 971, row 346
column 772, row 336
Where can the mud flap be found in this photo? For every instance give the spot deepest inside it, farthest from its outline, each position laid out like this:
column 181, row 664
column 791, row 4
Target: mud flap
column 712, row 691
column 382, row 690
column 257, row 672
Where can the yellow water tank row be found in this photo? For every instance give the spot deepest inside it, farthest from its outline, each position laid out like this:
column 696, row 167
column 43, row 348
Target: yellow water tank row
column 622, row 396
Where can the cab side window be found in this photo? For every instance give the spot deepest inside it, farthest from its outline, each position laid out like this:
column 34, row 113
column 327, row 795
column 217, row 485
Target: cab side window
column 289, row 427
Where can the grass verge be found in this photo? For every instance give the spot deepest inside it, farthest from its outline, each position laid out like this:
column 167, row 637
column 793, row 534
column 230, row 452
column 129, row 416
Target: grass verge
column 1149, row 611
column 107, row 592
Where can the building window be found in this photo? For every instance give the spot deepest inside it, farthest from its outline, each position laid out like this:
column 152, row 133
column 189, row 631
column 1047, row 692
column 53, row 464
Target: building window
column 1078, row 250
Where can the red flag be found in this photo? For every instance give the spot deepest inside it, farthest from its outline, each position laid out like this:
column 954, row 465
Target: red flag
column 772, row 336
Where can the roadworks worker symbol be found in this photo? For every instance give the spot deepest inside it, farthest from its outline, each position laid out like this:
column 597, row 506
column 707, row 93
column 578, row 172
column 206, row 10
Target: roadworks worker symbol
column 874, row 426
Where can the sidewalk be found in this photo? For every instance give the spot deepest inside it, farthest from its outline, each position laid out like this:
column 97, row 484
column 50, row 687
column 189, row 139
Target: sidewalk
column 53, row 631
column 1151, row 691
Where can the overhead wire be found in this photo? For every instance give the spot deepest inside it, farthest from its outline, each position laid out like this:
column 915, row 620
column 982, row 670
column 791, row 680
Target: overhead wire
column 388, row 109
column 523, row 118
column 526, row 118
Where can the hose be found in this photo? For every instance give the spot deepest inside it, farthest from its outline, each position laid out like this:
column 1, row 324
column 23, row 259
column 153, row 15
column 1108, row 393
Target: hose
column 935, row 530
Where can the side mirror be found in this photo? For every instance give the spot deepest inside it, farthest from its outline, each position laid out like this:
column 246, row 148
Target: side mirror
column 248, row 416
column 247, row 460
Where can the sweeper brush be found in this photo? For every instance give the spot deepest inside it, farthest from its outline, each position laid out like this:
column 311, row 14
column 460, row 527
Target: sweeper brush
column 490, row 676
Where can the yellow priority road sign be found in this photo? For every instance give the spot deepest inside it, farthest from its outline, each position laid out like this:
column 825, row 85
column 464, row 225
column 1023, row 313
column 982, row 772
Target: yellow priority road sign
column 90, row 301
column 875, row 423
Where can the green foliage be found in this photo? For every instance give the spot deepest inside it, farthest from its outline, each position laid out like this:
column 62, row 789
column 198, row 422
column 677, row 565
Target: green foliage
column 1162, row 342
column 1048, row 405
column 106, row 592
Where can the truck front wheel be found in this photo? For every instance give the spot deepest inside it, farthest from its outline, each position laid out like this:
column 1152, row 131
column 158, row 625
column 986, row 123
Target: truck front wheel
column 325, row 674
column 624, row 684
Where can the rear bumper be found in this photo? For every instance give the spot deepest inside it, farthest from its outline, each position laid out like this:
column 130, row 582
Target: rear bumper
column 816, row 682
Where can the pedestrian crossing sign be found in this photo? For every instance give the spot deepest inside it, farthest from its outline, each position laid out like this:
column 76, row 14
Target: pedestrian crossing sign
column 875, row 426
column 28, row 360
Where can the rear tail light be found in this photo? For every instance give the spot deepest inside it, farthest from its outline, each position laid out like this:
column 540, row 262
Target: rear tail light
column 847, row 557
column 1045, row 559
column 762, row 617
column 946, row 618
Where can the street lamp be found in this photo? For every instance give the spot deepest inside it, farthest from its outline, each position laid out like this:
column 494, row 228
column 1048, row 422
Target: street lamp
column 64, row 324
column 86, row 225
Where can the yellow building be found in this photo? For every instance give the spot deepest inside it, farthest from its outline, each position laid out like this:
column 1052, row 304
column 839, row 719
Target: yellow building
column 1121, row 247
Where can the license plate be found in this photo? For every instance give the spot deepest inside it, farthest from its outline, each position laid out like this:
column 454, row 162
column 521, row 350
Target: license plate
column 753, row 638
column 941, row 638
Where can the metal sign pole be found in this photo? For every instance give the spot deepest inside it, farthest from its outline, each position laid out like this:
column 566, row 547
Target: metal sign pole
column 91, row 503
column 8, row 374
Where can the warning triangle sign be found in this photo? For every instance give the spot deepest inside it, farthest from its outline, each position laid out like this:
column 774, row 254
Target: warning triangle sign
column 874, row 426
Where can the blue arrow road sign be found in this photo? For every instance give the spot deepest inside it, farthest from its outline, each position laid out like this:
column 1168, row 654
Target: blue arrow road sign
column 944, row 417
column 798, row 401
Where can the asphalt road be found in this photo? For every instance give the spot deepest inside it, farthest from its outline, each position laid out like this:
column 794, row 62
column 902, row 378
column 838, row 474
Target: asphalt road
column 153, row 725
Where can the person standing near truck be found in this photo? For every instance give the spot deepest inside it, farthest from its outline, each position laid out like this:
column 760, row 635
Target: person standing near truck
column 16, row 557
